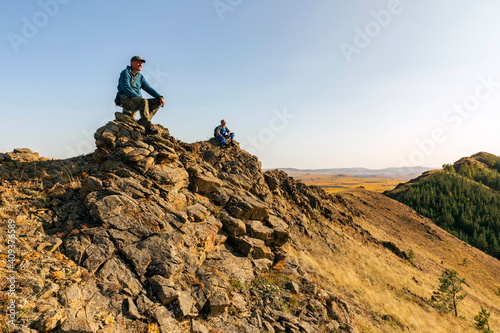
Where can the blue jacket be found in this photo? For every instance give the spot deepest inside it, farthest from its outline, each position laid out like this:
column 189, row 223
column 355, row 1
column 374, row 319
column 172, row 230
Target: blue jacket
column 222, row 131
column 125, row 87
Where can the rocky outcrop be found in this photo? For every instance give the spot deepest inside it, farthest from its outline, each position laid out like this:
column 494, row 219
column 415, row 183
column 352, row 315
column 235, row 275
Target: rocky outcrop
column 165, row 236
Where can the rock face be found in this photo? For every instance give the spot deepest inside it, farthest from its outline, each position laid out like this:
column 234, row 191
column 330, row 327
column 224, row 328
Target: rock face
column 164, row 236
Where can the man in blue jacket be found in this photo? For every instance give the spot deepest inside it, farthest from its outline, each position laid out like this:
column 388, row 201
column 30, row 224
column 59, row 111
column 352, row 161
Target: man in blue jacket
column 130, row 98
column 222, row 133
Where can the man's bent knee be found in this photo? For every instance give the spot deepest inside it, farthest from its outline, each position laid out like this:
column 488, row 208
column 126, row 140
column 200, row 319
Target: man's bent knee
column 134, row 103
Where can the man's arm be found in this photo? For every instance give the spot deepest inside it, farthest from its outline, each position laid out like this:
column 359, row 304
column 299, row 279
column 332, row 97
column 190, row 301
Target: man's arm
column 147, row 88
column 150, row 90
column 124, row 84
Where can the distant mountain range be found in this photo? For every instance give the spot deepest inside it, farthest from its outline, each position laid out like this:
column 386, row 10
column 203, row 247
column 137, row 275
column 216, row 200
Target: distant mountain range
column 395, row 171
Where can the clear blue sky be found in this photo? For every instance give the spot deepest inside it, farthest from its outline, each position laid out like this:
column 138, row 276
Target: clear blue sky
column 305, row 84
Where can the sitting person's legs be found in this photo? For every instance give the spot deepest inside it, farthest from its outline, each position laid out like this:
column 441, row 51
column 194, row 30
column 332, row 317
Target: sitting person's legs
column 146, row 107
column 222, row 140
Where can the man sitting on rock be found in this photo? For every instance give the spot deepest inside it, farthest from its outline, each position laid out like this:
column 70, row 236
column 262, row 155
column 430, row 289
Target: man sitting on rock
column 222, row 133
column 130, row 98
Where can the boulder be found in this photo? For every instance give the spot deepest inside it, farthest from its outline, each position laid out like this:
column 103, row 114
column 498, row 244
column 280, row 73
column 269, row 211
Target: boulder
column 256, row 248
column 197, row 213
column 247, row 208
column 205, row 184
column 218, row 303
column 256, row 229
column 118, row 277
column 235, row 227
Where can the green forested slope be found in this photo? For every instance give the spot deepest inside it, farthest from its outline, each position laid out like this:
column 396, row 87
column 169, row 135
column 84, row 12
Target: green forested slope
column 462, row 198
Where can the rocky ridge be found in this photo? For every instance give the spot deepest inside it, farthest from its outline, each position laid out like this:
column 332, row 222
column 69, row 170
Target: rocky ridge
column 150, row 234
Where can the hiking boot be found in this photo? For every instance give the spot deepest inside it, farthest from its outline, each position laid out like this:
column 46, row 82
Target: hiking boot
column 151, row 131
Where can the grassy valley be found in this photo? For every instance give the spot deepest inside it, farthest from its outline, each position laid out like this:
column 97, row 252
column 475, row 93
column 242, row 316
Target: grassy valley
column 341, row 182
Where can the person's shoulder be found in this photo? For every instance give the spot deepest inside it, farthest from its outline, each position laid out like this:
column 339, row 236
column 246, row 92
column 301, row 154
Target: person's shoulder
column 125, row 72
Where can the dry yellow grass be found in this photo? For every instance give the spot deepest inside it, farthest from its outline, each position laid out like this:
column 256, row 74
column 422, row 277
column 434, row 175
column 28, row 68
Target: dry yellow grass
column 338, row 183
column 391, row 294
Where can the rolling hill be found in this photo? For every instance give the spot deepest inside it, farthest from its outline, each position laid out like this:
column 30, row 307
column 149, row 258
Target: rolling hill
column 462, row 198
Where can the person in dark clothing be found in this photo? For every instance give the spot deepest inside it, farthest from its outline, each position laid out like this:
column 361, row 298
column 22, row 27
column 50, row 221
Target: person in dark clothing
column 129, row 95
column 222, row 133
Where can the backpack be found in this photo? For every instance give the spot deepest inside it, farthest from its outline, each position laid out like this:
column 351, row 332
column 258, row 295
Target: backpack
column 118, row 101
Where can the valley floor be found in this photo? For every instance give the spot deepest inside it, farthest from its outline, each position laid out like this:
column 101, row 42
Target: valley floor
column 340, row 182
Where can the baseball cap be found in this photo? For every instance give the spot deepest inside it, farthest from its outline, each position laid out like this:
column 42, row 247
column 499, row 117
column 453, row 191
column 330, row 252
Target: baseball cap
column 137, row 58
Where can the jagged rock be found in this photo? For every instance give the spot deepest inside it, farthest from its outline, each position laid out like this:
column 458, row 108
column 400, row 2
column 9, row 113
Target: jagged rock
column 218, row 303
column 293, row 287
column 123, row 238
column 112, row 209
column 132, row 187
column 72, row 296
column 253, row 247
column 338, row 310
column 258, row 230
column 98, row 252
column 24, row 155
column 280, row 231
column 5, row 158
column 167, row 322
column 239, row 303
column 248, row 208
column 197, row 327
column 308, row 287
column 317, row 308
column 197, row 213
column 262, row 266
column 235, row 227
column 144, row 304
column 76, row 245
column 132, row 310
column 91, row 184
column 205, row 184
column 185, row 305
column 206, row 234
column 49, row 320
column 154, row 255
column 133, row 154
column 163, row 289
column 77, row 325
column 118, row 277
column 24, row 329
